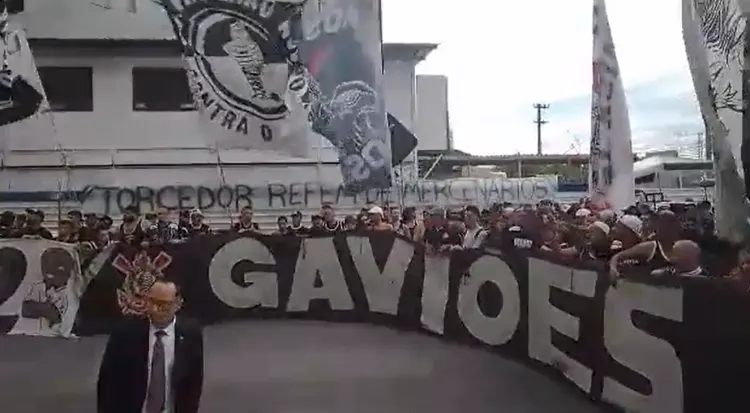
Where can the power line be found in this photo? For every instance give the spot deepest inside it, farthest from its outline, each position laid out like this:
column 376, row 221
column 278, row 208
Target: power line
column 539, row 123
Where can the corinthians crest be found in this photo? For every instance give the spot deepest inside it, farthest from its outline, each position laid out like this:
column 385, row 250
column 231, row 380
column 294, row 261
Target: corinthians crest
column 140, row 275
column 237, row 65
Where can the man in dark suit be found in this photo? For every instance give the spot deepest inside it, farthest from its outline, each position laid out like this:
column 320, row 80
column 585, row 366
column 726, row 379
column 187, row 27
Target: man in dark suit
column 153, row 364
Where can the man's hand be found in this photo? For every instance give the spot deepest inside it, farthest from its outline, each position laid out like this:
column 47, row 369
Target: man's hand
column 614, row 273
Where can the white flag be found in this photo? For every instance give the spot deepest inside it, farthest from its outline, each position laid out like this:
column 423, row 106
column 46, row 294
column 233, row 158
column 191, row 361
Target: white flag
column 714, row 35
column 238, row 70
column 31, row 128
column 611, row 156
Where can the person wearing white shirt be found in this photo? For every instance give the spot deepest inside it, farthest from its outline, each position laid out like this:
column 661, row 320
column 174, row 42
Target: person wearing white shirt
column 475, row 234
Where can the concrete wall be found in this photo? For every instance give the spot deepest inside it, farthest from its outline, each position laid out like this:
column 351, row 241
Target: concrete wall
column 113, row 136
column 95, row 19
column 114, row 125
column 432, row 112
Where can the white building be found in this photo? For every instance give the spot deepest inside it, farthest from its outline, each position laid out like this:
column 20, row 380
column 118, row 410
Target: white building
column 122, row 114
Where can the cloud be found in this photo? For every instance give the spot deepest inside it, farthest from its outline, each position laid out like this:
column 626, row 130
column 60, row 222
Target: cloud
column 501, row 59
column 663, row 115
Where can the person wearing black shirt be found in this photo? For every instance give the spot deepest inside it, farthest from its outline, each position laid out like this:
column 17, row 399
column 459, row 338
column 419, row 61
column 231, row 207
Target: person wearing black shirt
column 297, row 228
column 246, row 223
column 7, row 219
column 196, row 224
column 318, row 226
column 76, row 218
column 441, row 234
column 131, row 231
column 330, row 223
column 105, row 223
column 66, row 231
column 282, row 226
column 434, row 228
column 33, row 227
column 88, row 231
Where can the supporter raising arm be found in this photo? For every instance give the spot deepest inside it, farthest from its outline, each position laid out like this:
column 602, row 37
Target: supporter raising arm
column 641, row 253
column 411, row 227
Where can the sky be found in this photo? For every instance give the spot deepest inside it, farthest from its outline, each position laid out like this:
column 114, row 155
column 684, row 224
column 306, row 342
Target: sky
column 503, row 56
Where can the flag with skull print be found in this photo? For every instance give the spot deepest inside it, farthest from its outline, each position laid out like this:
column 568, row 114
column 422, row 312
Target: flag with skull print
column 238, row 72
column 255, row 90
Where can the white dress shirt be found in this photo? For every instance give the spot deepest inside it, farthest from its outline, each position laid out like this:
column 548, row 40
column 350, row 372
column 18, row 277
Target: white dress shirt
column 168, row 341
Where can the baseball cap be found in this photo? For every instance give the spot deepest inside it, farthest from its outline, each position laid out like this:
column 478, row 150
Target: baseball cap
column 632, row 222
column 375, row 210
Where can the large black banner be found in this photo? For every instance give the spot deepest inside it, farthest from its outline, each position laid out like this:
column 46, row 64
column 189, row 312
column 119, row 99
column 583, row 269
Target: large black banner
column 646, row 344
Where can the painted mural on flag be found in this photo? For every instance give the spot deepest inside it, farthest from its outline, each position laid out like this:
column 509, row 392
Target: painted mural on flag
column 40, row 287
column 611, row 153
column 342, row 52
column 714, row 32
column 21, row 93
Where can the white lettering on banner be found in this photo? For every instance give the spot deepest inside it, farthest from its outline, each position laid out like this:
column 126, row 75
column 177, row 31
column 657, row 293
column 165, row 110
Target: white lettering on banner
column 435, row 292
column 46, row 299
column 649, row 356
column 383, row 289
column 543, row 316
column 319, row 275
column 329, row 20
column 497, row 330
column 318, row 260
column 260, row 287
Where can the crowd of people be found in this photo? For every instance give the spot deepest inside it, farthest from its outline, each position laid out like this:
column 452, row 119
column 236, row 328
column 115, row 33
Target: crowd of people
column 666, row 237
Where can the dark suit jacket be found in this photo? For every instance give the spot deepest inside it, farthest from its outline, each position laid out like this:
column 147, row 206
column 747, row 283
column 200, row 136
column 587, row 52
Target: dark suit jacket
column 123, row 374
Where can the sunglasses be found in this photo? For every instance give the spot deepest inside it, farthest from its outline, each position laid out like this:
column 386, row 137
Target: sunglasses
column 165, row 305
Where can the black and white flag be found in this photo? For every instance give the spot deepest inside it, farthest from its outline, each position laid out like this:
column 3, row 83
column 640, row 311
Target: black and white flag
column 611, row 152
column 255, row 90
column 714, row 33
column 342, row 52
column 238, row 68
column 21, row 92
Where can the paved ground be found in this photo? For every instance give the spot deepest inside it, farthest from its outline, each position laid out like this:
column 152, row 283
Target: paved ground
column 299, row 367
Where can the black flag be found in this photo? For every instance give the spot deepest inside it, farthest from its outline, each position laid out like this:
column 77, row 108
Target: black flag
column 402, row 140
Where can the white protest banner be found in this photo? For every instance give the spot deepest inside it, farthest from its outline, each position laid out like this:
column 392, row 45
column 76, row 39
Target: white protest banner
column 714, row 35
column 611, row 159
column 40, row 287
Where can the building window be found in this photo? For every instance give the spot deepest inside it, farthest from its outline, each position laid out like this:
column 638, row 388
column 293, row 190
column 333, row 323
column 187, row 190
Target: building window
column 161, row 89
column 14, row 6
column 68, row 89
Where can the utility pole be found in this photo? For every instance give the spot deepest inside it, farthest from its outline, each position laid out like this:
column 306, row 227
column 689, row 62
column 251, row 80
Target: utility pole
column 539, row 123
